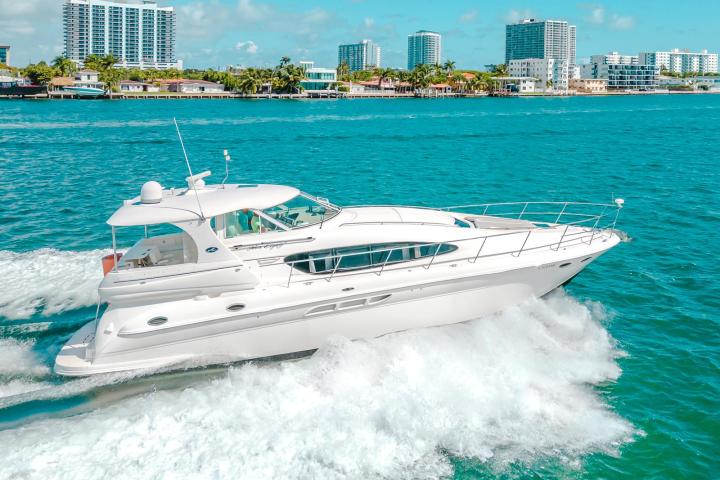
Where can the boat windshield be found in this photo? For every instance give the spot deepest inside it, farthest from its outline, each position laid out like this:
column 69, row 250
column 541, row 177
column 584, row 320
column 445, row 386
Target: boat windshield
column 301, row 211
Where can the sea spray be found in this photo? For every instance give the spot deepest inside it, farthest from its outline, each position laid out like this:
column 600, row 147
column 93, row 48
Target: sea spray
column 511, row 387
column 21, row 371
column 48, row 281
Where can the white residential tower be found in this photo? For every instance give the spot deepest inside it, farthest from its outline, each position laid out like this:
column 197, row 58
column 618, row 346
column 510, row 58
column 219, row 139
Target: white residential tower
column 139, row 34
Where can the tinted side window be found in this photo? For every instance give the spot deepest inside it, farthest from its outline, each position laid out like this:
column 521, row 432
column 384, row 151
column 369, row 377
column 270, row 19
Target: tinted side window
column 364, row 256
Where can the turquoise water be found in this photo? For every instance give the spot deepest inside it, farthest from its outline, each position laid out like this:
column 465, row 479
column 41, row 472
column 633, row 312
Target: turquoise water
column 617, row 377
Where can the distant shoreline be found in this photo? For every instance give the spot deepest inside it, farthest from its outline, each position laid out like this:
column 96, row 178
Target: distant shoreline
column 335, row 96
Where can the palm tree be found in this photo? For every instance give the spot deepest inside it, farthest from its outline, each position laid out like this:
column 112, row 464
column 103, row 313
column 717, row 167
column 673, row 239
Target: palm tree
column 384, row 74
column 458, row 82
column 284, row 61
column 487, row 82
column 287, row 78
column 64, row 66
column 100, row 63
column 250, row 81
column 420, row 76
column 500, row 70
column 343, row 72
column 449, row 66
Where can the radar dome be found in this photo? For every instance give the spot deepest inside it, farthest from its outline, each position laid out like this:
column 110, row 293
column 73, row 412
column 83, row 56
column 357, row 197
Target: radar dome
column 151, row 192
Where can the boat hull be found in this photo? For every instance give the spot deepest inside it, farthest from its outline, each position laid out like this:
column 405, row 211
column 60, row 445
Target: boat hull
column 85, row 92
column 22, row 90
column 303, row 327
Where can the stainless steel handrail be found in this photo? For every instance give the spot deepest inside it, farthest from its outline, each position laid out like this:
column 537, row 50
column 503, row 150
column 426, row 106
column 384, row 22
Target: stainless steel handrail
column 593, row 232
column 565, row 238
column 381, row 267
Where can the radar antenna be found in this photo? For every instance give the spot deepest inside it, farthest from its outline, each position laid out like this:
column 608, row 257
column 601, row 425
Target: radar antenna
column 227, row 170
column 187, row 162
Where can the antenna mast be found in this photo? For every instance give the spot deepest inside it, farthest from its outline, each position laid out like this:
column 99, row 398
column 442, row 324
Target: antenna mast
column 187, row 162
column 227, row 170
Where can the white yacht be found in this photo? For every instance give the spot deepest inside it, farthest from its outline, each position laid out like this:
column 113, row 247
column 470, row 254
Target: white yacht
column 240, row 272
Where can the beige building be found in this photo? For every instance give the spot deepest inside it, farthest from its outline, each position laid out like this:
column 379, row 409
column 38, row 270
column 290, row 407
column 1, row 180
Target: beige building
column 588, row 85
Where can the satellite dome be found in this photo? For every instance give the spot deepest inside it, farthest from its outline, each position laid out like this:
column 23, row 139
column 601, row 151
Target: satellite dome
column 151, row 192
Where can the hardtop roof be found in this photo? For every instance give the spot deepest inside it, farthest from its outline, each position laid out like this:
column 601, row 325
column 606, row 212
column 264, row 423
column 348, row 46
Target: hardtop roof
column 180, row 205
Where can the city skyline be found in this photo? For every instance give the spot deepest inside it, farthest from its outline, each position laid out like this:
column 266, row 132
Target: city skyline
column 246, row 32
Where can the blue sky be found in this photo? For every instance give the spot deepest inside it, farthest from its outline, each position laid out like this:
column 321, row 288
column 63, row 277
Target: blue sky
column 215, row 33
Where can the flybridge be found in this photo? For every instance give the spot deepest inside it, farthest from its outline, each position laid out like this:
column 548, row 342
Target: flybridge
column 157, row 205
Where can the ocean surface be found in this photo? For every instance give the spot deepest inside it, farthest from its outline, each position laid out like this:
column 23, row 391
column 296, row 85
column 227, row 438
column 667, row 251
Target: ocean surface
column 617, row 376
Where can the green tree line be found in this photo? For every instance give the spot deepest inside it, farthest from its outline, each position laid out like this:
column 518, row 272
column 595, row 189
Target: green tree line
column 284, row 78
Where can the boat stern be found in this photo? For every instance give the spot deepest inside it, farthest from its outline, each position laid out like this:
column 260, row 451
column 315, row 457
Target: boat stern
column 75, row 357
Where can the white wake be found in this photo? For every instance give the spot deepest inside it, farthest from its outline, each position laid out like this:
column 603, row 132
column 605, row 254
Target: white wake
column 516, row 386
column 48, row 281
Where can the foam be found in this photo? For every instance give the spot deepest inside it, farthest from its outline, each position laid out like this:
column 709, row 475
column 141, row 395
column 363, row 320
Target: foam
column 511, row 387
column 18, row 387
column 48, row 281
column 20, row 368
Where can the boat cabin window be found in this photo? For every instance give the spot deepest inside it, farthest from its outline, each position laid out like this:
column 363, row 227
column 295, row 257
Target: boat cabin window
column 242, row 222
column 301, row 211
column 162, row 245
column 364, row 256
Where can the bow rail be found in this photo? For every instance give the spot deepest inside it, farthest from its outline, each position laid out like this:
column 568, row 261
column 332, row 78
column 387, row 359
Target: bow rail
column 589, row 222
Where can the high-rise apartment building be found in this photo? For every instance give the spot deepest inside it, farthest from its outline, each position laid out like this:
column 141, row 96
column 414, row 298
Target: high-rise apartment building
column 424, row 48
column 359, row 56
column 682, row 61
column 139, row 34
column 572, row 45
column 540, row 39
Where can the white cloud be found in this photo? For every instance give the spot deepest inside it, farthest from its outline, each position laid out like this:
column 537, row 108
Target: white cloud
column 469, row 16
column 15, row 8
column 247, row 47
column 619, row 22
column 250, row 11
column 514, row 16
column 33, row 28
column 202, row 20
column 597, row 15
column 368, row 22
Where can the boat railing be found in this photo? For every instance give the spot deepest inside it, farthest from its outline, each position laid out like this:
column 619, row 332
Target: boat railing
column 591, row 226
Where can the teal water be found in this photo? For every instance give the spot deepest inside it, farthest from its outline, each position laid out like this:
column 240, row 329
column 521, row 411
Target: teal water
column 617, row 377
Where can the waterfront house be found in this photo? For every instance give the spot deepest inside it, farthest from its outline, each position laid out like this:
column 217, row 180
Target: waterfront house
column 353, row 87
column 516, row 84
column 57, row 83
column 318, row 79
column 88, row 79
column 373, row 85
column 700, row 82
column 182, row 85
column 131, row 86
column 588, row 85
column 87, row 76
column 441, row 88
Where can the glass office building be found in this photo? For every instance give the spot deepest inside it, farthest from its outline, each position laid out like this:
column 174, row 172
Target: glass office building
column 424, row 48
column 359, row 56
column 139, row 34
